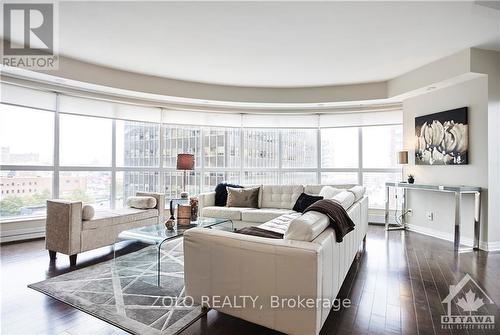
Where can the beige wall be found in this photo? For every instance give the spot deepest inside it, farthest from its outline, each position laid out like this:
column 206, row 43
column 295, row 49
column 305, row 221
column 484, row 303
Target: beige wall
column 485, row 61
column 473, row 94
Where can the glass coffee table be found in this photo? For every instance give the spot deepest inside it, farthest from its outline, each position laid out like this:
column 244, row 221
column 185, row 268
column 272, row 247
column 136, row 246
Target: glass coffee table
column 158, row 235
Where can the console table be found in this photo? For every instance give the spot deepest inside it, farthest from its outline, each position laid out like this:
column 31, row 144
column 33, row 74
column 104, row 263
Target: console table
column 457, row 190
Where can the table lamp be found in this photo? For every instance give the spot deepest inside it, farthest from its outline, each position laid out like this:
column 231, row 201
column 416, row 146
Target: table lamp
column 185, row 162
column 403, row 157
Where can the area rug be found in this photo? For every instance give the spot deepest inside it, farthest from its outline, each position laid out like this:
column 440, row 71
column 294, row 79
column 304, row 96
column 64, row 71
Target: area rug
column 125, row 291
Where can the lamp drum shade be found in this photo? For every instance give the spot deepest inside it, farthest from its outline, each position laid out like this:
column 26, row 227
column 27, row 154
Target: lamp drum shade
column 403, row 157
column 185, row 162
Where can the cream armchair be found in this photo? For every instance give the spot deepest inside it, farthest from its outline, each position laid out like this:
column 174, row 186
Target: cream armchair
column 67, row 233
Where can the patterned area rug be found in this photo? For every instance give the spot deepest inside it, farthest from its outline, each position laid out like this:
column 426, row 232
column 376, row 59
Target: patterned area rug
column 125, row 291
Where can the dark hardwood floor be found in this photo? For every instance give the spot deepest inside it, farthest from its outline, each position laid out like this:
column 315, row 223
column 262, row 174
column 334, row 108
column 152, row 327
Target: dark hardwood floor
column 396, row 287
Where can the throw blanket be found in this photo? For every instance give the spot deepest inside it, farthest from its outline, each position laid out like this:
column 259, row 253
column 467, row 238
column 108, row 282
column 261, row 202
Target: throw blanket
column 339, row 219
column 256, row 231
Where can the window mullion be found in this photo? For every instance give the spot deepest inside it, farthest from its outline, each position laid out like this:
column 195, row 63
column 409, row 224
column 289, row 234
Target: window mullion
column 113, row 164
column 201, row 144
column 318, row 151
column 360, row 155
column 280, row 156
column 55, row 177
column 161, row 177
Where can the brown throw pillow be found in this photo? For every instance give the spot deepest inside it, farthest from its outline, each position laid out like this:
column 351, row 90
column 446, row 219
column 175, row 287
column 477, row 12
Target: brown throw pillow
column 243, row 197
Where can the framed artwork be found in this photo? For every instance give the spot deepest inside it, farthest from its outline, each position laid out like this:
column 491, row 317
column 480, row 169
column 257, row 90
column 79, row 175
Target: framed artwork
column 442, row 138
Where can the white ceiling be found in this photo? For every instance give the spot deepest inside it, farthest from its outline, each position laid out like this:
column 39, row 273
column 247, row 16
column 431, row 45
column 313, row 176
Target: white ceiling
column 273, row 44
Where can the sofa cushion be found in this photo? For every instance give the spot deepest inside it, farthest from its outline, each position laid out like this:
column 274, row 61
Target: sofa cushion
column 358, row 191
column 243, row 197
column 345, row 198
column 280, row 196
column 263, row 214
column 281, row 223
column 307, row 226
column 316, row 188
column 231, row 213
column 329, row 192
column 118, row 216
column 221, row 193
column 304, row 201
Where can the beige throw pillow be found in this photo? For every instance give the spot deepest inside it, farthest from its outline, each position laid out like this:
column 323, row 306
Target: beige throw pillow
column 87, row 212
column 243, row 197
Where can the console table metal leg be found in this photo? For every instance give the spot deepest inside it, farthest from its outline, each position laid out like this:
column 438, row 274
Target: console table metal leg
column 386, row 214
column 457, row 220
column 405, row 208
column 477, row 219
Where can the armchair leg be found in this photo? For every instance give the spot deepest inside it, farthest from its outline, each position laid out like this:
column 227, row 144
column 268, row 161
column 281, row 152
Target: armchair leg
column 52, row 255
column 72, row 260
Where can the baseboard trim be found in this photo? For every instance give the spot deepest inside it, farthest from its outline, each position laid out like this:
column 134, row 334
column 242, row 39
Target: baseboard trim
column 22, row 234
column 492, row 246
column 379, row 218
column 485, row 246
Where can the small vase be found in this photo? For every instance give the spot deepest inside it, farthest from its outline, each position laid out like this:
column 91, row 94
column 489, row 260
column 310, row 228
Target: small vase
column 193, row 201
column 411, row 180
column 169, row 224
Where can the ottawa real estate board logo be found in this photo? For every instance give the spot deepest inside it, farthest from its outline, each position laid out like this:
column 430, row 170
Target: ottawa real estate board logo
column 29, row 31
column 467, row 307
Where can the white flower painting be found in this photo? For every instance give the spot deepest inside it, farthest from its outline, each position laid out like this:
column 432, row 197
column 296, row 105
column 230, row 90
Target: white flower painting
column 442, row 138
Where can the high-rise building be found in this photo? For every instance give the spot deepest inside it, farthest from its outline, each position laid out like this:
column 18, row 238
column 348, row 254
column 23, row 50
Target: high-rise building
column 141, row 149
column 249, row 156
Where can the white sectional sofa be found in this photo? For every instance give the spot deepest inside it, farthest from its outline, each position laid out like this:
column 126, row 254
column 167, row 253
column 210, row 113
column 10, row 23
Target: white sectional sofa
column 306, row 263
column 274, row 201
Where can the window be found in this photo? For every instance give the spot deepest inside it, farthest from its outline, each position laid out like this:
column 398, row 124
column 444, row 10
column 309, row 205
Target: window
column 340, row 147
column 181, row 139
column 260, row 148
column 212, row 179
column 331, row 178
column 85, row 141
column 380, row 145
column 26, row 136
column 18, row 198
column 88, row 187
column 173, row 183
column 299, row 178
column 375, row 186
column 260, row 177
column 221, row 147
column 137, row 144
column 299, row 148
column 96, row 168
column 130, row 182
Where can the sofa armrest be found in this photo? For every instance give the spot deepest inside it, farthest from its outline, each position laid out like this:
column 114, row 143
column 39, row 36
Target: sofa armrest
column 160, row 203
column 63, row 226
column 225, row 264
column 206, row 200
